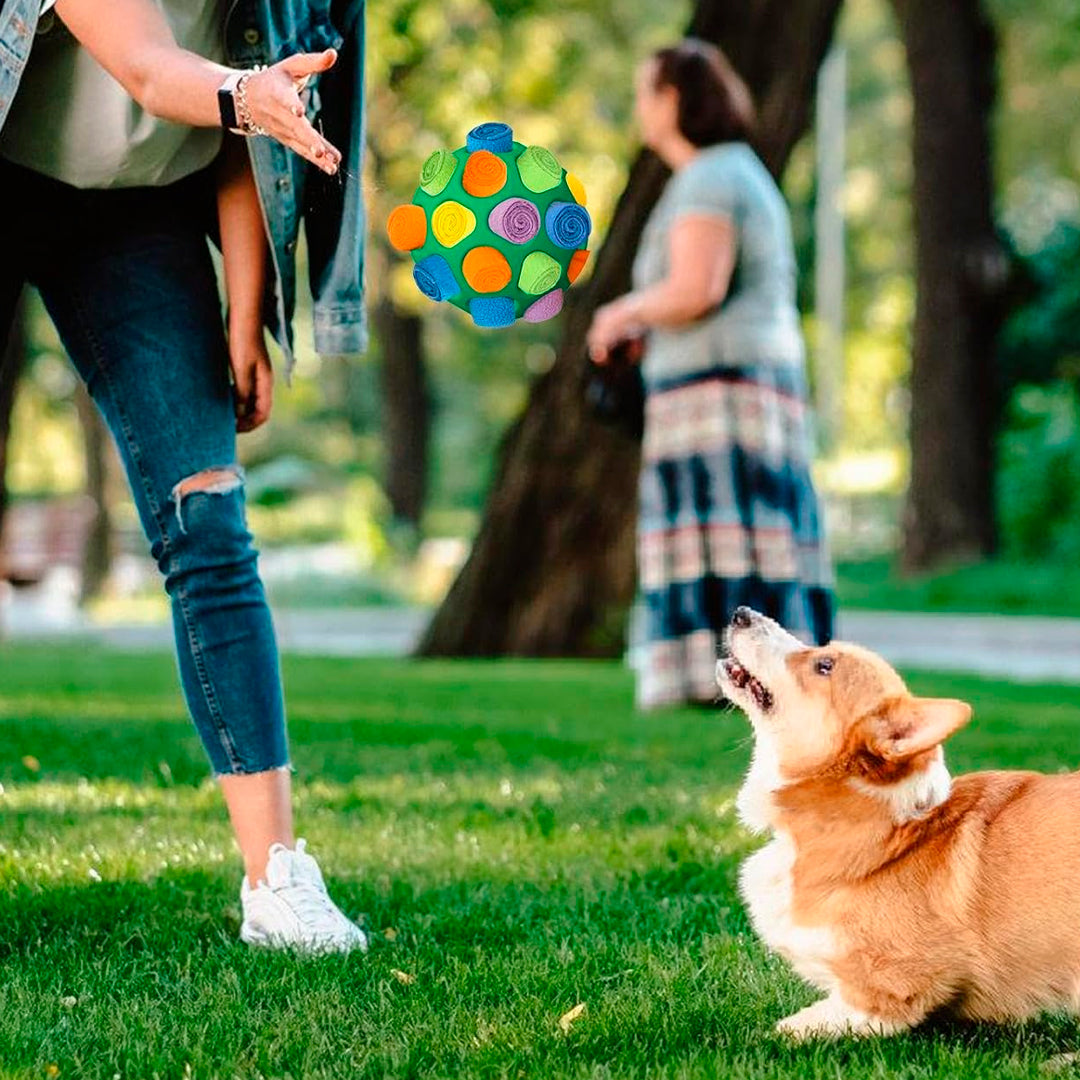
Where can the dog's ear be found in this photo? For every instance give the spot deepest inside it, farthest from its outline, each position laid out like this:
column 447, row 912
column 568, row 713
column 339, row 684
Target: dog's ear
column 912, row 725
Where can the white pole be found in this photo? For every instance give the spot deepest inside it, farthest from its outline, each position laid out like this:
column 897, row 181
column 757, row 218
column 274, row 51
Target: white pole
column 829, row 245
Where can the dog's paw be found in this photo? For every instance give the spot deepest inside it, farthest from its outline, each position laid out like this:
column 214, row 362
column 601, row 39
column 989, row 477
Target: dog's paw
column 799, row 1027
column 831, row 1018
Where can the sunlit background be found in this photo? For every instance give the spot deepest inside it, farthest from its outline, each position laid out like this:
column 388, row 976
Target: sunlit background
column 320, row 487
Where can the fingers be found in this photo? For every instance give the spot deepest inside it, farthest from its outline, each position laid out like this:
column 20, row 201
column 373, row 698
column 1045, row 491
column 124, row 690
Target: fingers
column 259, row 402
column 296, row 132
column 276, row 107
column 310, row 145
column 264, row 395
column 243, row 385
column 303, row 64
column 596, row 344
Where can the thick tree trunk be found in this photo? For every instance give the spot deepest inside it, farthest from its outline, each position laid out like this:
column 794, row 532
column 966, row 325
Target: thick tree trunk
column 553, row 568
column 406, row 411
column 97, row 548
column 961, row 275
column 12, row 357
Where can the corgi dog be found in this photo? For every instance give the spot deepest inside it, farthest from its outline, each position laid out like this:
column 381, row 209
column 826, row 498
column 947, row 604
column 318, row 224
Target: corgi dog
column 895, row 889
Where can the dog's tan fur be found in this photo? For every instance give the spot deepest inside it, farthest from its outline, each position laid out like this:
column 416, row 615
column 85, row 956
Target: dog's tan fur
column 895, row 891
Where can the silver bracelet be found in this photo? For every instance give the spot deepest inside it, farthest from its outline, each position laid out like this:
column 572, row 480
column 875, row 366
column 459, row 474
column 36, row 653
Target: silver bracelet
column 243, row 109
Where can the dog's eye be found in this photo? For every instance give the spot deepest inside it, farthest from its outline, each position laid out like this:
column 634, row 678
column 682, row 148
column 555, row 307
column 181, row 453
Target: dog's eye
column 824, row 665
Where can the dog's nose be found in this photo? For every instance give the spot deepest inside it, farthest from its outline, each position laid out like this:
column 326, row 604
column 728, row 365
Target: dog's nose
column 741, row 617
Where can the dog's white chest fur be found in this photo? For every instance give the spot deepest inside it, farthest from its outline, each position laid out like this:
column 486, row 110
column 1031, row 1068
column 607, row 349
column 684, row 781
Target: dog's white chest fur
column 766, row 879
column 766, row 883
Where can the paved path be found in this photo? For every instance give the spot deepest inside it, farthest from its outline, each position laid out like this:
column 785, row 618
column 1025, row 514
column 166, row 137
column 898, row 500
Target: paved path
column 1023, row 649
column 1020, row 648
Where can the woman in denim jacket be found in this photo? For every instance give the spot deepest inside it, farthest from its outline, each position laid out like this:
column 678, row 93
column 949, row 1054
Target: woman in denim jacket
column 110, row 149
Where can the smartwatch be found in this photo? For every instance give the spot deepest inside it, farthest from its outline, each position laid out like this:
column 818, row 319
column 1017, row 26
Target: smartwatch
column 226, row 97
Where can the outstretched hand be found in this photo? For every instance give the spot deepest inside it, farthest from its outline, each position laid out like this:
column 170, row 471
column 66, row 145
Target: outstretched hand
column 273, row 97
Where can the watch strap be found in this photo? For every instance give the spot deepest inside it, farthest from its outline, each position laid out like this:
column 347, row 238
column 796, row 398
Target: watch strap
column 226, row 96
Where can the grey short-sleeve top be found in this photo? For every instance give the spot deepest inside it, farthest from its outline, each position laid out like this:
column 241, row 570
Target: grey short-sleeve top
column 73, row 121
column 758, row 321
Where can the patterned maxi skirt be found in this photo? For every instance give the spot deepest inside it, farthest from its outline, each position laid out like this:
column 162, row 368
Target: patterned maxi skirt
column 728, row 516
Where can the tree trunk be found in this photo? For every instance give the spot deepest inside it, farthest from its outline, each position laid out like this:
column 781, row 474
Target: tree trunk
column 97, row 548
column 961, row 275
column 553, row 567
column 12, row 357
column 406, row 411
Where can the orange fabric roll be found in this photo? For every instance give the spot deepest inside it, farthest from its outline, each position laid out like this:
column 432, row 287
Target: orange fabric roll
column 485, row 174
column 577, row 264
column 486, row 269
column 407, row 227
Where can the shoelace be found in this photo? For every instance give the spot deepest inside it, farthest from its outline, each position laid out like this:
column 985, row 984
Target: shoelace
column 313, row 907
column 306, row 895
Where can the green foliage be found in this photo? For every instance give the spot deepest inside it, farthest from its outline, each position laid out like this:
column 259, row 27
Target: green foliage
column 997, row 587
column 516, row 838
column 1039, row 475
column 1041, row 341
column 560, row 72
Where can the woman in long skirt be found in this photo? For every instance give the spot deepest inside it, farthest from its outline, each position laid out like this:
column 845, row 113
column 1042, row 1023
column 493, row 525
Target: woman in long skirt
column 728, row 512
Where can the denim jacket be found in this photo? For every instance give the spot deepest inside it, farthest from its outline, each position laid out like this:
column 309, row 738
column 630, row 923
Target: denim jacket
column 332, row 208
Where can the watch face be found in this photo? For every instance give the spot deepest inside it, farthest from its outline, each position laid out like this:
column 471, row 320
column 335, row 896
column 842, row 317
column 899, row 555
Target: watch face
column 227, row 106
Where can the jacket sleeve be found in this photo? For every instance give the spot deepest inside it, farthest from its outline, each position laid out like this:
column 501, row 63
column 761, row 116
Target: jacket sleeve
column 334, row 217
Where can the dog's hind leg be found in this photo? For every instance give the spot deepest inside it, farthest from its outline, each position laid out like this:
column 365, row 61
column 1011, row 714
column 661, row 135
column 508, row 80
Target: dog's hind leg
column 832, row 1018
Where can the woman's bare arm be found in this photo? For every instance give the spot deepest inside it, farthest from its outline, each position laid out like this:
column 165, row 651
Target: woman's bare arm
column 702, row 258
column 246, row 258
column 132, row 40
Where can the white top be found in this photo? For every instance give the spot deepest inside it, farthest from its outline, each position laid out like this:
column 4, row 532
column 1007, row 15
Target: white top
column 73, row 121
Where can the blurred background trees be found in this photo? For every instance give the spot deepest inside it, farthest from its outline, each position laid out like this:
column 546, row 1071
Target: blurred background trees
column 552, row 569
column 371, row 482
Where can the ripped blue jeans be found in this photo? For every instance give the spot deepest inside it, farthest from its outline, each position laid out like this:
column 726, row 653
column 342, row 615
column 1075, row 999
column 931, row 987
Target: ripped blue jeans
column 127, row 278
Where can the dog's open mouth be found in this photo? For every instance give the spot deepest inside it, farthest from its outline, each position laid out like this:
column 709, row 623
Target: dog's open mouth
column 743, row 680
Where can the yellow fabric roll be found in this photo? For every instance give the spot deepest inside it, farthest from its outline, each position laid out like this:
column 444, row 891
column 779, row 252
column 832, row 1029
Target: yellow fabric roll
column 577, row 189
column 451, row 223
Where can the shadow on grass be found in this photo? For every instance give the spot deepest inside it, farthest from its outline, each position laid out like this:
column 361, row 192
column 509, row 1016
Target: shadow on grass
column 471, row 981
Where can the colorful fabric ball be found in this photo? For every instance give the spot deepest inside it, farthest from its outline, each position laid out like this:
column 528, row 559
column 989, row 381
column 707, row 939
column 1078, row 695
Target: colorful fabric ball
column 497, row 228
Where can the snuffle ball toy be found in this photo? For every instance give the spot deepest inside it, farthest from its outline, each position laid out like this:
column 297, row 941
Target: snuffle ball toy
column 496, row 228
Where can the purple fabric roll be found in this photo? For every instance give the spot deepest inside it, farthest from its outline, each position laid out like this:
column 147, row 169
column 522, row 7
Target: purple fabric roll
column 516, row 220
column 547, row 307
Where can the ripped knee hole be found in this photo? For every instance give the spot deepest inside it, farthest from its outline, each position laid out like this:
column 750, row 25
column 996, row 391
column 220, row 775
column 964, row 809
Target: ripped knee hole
column 219, row 480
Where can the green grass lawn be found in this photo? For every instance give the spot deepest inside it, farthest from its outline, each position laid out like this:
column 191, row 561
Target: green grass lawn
column 515, row 838
column 997, row 587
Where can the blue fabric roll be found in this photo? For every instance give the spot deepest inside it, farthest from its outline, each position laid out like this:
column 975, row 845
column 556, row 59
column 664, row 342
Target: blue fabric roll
column 435, row 279
column 568, row 224
column 492, row 311
column 498, row 138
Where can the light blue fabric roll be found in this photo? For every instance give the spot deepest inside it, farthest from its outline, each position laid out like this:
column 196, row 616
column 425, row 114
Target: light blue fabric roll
column 498, row 138
column 492, row 311
column 568, row 224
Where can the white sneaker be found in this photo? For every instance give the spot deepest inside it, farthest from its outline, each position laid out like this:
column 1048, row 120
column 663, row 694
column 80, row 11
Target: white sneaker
column 290, row 909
